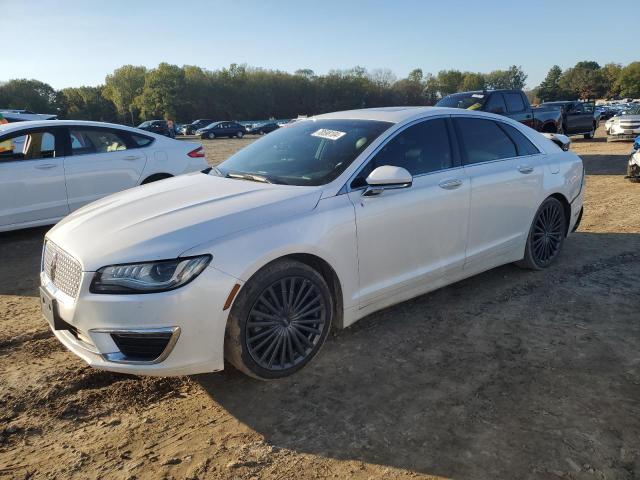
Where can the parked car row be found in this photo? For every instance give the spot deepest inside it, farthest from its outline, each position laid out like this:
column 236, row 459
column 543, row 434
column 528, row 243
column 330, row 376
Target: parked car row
column 50, row 168
column 625, row 126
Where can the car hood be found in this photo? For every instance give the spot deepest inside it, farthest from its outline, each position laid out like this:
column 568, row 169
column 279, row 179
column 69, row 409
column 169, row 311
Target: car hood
column 164, row 219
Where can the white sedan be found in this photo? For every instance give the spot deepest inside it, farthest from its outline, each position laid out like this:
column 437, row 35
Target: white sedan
column 314, row 225
column 52, row 167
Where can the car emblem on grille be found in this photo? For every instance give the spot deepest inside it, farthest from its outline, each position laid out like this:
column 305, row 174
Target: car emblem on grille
column 54, row 261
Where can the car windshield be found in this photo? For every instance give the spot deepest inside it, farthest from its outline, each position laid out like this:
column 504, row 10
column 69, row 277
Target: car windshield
column 145, row 124
column 211, row 125
column 308, row 153
column 468, row 101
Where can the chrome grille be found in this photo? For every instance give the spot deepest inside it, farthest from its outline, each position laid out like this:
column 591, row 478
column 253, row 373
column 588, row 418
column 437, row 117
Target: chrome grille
column 63, row 270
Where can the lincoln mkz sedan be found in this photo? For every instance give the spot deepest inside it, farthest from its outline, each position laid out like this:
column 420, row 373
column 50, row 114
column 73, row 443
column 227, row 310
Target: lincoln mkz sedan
column 314, row 225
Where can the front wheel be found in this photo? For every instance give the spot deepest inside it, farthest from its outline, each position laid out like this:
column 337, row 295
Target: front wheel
column 279, row 321
column 546, row 236
column 211, row 135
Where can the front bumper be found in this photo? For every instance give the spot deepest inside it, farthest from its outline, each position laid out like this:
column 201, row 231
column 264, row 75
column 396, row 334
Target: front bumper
column 183, row 328
column 620, row 132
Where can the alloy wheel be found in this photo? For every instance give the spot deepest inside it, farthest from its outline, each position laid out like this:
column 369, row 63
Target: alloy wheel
column 286, row 323
column 547, row 234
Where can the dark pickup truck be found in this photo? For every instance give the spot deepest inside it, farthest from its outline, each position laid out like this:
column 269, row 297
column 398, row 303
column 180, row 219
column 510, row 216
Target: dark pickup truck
column 577, row 117
column 510, row 103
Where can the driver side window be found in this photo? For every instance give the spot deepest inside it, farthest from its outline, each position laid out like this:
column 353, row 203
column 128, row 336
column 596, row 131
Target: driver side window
column 421, row 148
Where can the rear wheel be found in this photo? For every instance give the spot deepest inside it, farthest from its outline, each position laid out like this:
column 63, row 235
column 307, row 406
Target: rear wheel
column 279, row 321
column 546, row 236
column 591, row 134
column 240, row 134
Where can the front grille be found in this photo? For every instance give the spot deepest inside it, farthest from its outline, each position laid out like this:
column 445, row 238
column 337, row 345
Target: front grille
column 63, row 270
column 141, row 347
column 630, row 125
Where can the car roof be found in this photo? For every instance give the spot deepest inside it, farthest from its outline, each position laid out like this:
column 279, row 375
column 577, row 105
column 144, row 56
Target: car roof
column 10, row 127
column 396, row 114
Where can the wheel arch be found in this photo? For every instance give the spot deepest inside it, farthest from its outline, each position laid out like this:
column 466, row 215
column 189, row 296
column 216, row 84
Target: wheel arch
column 549, row 127
column 324, row 268
column 155, row 177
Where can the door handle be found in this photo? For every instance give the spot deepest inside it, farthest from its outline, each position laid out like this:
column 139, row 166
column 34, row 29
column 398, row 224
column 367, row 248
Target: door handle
column 525, row 169
column 132, row 157
column 450, row 184
column 45, row 166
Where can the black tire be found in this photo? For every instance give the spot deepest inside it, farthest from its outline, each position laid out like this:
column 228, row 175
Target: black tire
column 284, row 344
column 546, row 236
column 261, row 132
column 211, row 135
column 591, row 134
column 155, row 177
column 240, row 134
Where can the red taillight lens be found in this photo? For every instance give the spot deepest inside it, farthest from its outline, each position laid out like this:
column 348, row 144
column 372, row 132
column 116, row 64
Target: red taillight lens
column 197, row 153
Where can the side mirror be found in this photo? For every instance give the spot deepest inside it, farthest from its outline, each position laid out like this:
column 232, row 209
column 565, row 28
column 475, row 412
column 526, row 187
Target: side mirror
column 387, row 177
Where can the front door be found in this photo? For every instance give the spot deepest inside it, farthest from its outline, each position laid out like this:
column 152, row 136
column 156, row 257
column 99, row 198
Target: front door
column 411, row 240
column 32, row 182
column 102, row 161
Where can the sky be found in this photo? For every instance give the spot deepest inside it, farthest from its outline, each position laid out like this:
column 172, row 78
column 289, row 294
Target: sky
column 69, row 43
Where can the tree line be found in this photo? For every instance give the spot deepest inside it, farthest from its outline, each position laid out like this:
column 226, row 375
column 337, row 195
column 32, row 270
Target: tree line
column 135, row 93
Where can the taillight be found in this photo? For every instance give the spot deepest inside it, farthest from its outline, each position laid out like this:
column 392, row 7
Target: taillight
column 197, row 153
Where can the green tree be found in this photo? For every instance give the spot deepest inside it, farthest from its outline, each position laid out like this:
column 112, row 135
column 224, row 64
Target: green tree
column 410, row 90
column 88, row 103
column 585, row 80
column 611, row 73
column 122, row 87
column 163, row 93
column 473, row 81
column 31, row 95
column 629, row 81
column 512, row 78
column 550, row 90
column 449, row 81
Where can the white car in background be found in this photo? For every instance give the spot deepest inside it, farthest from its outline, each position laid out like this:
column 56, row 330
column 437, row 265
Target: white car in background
column 319, row 223
column 51, row 168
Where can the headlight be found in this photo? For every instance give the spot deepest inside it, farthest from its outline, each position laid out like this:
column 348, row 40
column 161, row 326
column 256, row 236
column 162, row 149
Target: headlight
column 148, row 277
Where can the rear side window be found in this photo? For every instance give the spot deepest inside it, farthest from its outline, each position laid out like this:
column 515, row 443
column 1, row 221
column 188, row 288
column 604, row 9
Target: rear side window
column 523, row 144
column 496, row 104
column 96, row 140
column 514, row 102
column 483, row 140
column 29, row 146
column 140, row 140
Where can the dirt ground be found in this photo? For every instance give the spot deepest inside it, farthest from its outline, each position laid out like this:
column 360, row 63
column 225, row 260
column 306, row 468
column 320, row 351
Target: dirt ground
column 508, row 375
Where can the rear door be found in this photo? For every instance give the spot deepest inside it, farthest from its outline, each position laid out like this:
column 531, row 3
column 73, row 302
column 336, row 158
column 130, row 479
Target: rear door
column 32, row 182
column 101, row 161
column 506, row 182
column 517, row 108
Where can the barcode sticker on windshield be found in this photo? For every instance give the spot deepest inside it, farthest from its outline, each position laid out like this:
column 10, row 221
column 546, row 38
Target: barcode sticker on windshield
column 477, row 95
column 328, row 134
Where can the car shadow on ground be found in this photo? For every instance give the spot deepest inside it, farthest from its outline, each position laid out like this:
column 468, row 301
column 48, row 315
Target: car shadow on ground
column 20, row 253
column 509, row 374
column 605, row 164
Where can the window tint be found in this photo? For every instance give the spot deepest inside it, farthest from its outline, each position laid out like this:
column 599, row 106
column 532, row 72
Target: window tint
column 141, row 141
column 29, row 146
column 422, row 148
column 514, row 102
column 95, row 140
column 483, row 140
column 496, row 104
column 523, row 144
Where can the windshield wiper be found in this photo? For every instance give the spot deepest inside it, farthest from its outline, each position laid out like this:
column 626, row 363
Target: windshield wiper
column 248, row 176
